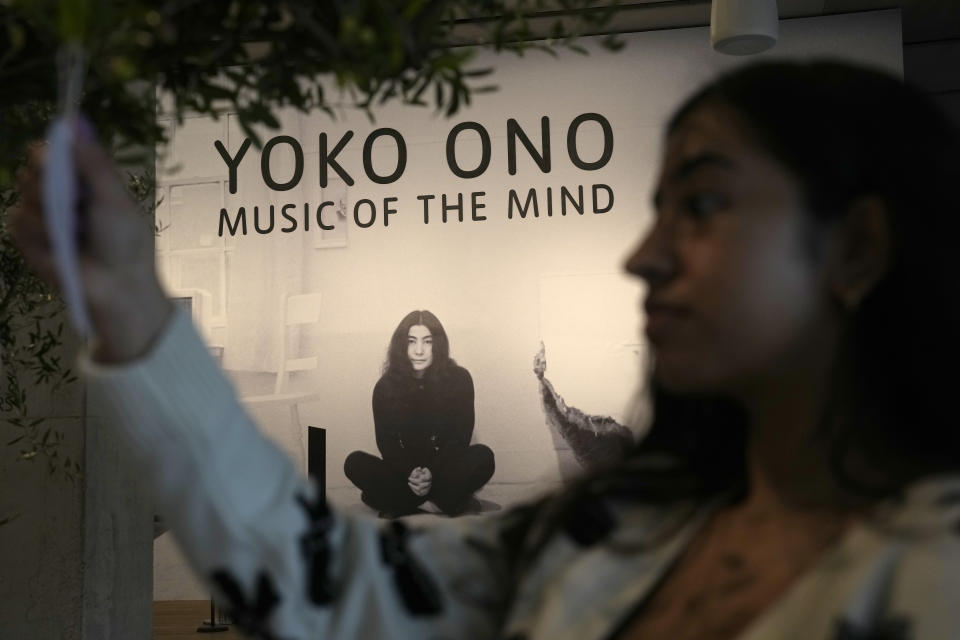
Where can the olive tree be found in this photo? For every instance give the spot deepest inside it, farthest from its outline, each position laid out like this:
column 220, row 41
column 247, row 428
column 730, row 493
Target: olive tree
column 250, row 58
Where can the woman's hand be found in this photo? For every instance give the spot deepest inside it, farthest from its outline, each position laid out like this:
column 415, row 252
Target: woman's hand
column 420, row 481
column 115, row 253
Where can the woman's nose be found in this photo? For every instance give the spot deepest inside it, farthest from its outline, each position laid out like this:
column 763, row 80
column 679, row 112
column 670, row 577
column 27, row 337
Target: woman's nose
column 418, row 348
column 653, row 259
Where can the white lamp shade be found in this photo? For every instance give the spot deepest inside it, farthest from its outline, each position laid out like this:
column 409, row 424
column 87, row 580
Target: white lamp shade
column 743, row 27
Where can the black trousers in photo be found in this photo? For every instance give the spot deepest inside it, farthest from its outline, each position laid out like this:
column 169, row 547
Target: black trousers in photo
column 456, row 477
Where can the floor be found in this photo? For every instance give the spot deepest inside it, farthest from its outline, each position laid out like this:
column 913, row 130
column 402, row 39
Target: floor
column 179, row 619
column 493, row 497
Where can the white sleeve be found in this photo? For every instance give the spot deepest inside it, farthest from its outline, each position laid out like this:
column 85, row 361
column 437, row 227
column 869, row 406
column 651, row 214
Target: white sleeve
column 258, row 535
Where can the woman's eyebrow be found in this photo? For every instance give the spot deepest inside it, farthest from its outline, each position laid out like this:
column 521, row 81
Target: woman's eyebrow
column 700, row 161
column 688, row 166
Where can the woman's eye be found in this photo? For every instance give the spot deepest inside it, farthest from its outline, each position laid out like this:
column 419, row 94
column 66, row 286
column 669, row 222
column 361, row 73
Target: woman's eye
column 700, row 205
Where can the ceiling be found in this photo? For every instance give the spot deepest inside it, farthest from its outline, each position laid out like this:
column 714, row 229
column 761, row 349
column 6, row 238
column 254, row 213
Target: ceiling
column 923, row 20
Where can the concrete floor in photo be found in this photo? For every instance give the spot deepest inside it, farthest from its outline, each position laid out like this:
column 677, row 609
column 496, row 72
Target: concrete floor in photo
column 493, row 497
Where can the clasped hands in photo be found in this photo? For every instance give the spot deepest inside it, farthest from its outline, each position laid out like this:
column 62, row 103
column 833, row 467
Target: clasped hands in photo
column 420, row 481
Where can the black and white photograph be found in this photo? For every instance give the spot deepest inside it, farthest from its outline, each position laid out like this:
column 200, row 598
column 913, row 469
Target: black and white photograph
column 490, row 320
column 423, row 417
column 444, row 297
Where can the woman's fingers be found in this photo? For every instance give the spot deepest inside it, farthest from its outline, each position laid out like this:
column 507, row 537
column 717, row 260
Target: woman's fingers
column 416, row 489
column 30, row 202
column 419, row 486
column 30, row 234
column 95, row 166
column 115, row 259
column 27, row 224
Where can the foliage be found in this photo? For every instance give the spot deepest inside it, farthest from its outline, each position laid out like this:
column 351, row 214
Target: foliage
column 30, row 337
column 253, row 57
column 246, row 57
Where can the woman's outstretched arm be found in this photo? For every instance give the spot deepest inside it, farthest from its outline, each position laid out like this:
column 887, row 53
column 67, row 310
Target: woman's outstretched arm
column 256, row 533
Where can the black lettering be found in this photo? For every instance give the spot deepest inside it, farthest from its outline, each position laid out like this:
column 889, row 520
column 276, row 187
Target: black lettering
column 387, row 211
column 474, row 205
column 522, row 210
column 609, row 191
column 452, row 150
column 577, row 204
column 297, row 166
column 607, row 142
column 233, row 163
column 329, row 159
column 256, row 221
column 368, row 155
column 325, row 227
column 356, row 213
column 232, row 228
column 426, row 198
column 293, row 221
column 444, row 207
column 541, row 158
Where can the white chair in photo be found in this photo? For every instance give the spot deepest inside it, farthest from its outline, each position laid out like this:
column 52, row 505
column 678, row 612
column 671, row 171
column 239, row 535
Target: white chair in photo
column 297, row 310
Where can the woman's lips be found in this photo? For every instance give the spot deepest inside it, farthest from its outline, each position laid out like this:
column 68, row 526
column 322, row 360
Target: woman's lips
column 662, row 318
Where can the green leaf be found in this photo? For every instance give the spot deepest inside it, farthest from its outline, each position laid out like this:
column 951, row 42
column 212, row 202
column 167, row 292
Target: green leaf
column 74, row 18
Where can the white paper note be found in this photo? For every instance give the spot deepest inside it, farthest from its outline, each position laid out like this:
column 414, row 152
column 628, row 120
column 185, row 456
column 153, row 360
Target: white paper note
column 60, row 202
column 60, row 188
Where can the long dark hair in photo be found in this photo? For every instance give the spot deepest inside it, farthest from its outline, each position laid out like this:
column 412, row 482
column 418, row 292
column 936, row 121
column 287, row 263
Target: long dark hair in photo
column 398, row 365
column 843, row 132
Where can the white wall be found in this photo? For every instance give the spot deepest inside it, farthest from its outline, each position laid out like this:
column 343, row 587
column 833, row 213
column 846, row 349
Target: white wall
column 499, row 286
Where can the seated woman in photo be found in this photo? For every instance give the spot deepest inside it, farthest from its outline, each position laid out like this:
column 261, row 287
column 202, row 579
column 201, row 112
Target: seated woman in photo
column 801, row 477
column 423, row 418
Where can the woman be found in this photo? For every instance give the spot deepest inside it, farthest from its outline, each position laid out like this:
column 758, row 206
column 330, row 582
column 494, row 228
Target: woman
column 423, row 418
column 800, row 479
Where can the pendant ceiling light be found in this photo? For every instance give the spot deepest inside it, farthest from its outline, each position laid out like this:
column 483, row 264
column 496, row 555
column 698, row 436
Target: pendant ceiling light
column 743, row 27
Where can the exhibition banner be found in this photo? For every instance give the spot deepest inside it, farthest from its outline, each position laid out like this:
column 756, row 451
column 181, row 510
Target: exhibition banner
column 487, row 248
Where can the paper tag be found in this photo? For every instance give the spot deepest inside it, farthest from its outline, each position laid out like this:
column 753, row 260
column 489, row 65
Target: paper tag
column 60, row 186
column 60, row 202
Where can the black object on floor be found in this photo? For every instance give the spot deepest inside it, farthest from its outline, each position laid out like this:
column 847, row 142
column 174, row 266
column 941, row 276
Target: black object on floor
column 211, row 626
column 317, row 457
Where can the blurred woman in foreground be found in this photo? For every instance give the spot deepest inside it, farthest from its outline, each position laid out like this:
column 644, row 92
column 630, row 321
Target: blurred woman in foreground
column 802, row 475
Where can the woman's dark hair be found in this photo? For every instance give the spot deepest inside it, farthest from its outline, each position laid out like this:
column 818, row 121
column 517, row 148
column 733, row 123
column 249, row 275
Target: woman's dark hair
column 843, row 132
column 398, row 362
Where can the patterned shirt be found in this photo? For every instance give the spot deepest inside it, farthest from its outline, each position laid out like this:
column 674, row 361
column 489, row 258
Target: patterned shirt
column 288, row 567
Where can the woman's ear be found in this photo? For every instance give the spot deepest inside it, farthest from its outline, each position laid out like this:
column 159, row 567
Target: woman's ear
column 861, row 250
